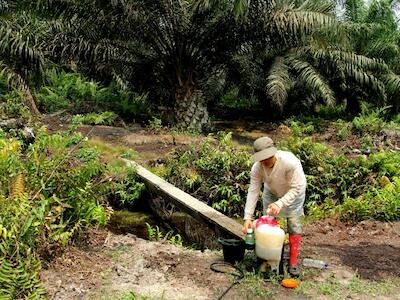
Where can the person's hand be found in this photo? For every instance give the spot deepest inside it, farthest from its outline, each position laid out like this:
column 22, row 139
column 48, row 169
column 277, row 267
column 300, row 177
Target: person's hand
column 273, row 209
column 247, row 224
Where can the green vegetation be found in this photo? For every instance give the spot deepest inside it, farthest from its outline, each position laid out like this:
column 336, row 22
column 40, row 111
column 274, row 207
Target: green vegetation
column 75, row 93
column 335, row 289
column 334, row 181
column 51, row 191
column 155, row 234
column 104, row 118
column 215, row 171
column 364, row 187
column 12, row 105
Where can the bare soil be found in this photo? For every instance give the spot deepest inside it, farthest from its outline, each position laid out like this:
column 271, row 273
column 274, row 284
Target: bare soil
column 104, row 264
column 107, row 264
column 370, row 248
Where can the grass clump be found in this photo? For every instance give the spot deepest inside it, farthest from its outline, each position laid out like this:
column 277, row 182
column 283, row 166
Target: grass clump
column 333, row 289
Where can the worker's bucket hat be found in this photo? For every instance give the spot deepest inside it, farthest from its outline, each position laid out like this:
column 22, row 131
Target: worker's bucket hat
column 264, row 148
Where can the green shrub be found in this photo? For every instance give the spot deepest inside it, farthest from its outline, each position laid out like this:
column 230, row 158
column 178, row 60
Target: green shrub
column 218, row 174
column 343, row 129
column 385, row 163
column 331, row 112
column 321, row 211
column 311, row 154
column 128, row 190
column 12, row 105
column 104, row 118
column 233, row 100
column 74, row 92
column 20, row 278
column 48, row 194
column 155, row 234
column 370, row 120
column 66, row 90
column 299, row 128
column 379, row 204
column 215, row 172
column 353, row 183
column 334, row 179
column 155, row 124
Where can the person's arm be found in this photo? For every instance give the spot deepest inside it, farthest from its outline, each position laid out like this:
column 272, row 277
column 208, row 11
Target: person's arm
column 253, row 192
column 297, row 186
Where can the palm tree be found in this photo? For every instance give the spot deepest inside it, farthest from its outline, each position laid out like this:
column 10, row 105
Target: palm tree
column 169, row 49
column 305, row 53
column 21, row 54
column 172, row 49
column 374, row 33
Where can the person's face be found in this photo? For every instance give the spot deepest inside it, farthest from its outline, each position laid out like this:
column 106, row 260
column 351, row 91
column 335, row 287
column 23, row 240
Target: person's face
column 269, row 162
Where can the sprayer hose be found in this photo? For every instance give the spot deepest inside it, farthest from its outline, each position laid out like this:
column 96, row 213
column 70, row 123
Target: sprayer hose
column 238, row 274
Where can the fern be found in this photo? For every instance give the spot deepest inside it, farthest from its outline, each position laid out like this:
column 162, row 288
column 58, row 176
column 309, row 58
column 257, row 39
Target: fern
column 47, row 196
column 154, row 234
column 18, row 187
column 20, row 279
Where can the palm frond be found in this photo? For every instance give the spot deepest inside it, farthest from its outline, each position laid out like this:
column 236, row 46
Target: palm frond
column 20, row 42
column 360, row 61
column 299, row 23
column 321, row 6
column 355, row 10
column 278, row 82
column 238, row 7
column 333, row 57
column 385, row 46
column 392, row 83
column 365, row 79
column 313, row 79
column 3, row 6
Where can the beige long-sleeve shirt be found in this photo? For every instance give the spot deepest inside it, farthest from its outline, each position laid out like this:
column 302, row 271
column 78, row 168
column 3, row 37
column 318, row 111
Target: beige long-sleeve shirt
column 286, row 181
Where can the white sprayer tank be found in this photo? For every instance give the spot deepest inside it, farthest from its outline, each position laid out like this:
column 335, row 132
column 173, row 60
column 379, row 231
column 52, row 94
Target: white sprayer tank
column 269, row 240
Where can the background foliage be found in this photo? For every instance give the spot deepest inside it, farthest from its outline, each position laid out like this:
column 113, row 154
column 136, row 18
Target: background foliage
column 363, row 187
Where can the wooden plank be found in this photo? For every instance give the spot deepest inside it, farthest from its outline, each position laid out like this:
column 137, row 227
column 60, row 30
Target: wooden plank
column 199, row 210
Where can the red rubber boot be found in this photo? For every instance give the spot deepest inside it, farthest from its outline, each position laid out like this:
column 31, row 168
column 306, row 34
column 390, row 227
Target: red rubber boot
column 294, row 243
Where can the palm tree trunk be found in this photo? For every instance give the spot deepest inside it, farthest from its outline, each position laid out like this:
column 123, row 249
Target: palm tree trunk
column 190, row 108
column 30, row 102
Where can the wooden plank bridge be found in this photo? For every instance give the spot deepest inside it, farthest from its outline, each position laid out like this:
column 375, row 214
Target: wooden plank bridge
column 197, row 209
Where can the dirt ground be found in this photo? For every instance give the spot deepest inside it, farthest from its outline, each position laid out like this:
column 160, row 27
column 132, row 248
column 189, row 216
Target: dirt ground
column 107, row 264
column 371, row 248
column 104, row 265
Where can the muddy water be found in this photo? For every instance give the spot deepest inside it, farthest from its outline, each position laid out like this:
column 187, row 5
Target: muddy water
column 125, row 221
column 193, row 233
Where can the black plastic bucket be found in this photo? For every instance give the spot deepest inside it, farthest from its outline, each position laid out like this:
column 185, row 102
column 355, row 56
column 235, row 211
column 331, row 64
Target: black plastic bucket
column 232, row 249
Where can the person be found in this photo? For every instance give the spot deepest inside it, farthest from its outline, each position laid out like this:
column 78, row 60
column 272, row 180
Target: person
column 284, row 182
